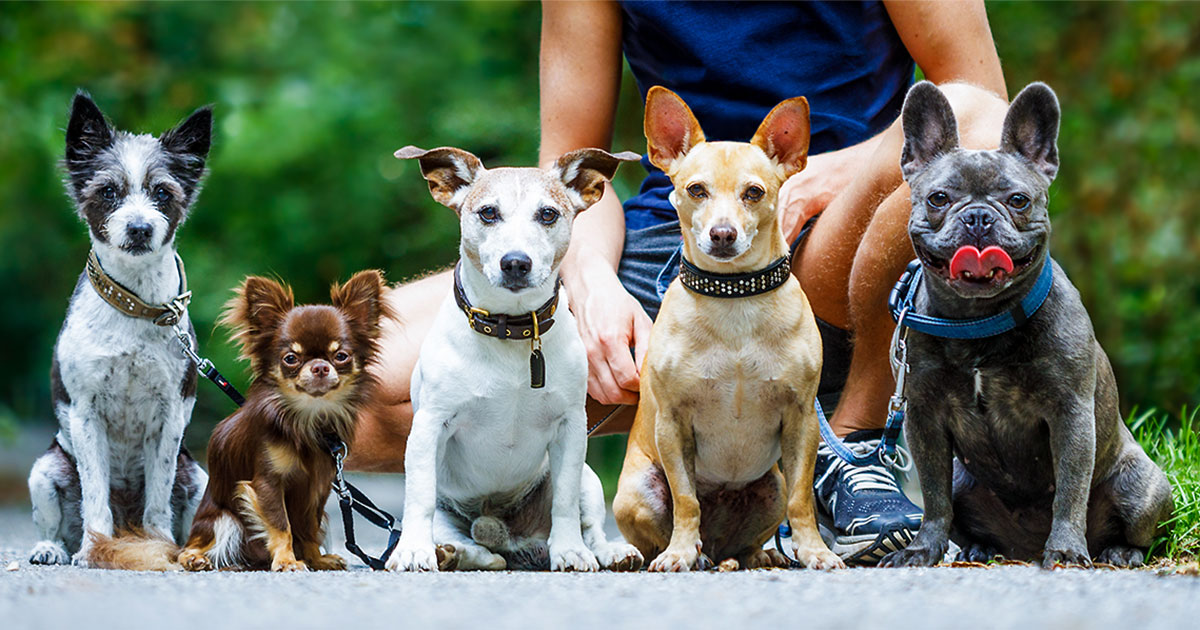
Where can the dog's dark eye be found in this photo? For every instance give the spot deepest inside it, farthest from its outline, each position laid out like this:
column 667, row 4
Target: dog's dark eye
column 547, row 215
column 698, row 191
column 161, row 194
column 938, row 199
column 489, row 214
column 753, row 194
column 341, row 357
column 108, row 192
column 1018, row 201
column 291, row 360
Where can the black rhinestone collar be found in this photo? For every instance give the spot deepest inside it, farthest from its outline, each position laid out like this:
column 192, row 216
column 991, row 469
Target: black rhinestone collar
column 734, row 285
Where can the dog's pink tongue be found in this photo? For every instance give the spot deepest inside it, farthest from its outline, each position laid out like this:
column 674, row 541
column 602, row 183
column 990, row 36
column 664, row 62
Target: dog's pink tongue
column 979, row 264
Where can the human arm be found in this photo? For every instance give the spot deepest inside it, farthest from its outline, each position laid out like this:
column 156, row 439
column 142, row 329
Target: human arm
column 580, row 74
column 951, row 42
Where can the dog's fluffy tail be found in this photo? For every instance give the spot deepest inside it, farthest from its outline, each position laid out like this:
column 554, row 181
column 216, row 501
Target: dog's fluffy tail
column 133, row 550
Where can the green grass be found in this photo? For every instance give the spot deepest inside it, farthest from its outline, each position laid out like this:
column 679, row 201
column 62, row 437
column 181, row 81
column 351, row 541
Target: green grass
column 1175, row 445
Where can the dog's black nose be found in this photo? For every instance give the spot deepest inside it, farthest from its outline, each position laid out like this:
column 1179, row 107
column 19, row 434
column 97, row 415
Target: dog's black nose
column 723, row 235
column 516, row 264
column 978, row 221
column 139, row 233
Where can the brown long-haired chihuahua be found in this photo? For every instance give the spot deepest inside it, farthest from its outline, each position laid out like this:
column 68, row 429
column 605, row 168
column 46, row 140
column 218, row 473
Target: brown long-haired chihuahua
column 269, row 463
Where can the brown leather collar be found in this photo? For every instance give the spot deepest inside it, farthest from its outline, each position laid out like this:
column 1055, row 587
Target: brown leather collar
column 528, row 326
column 130, row 304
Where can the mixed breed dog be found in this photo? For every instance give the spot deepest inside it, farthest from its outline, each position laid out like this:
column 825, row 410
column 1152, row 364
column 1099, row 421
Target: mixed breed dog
column 1017, row 437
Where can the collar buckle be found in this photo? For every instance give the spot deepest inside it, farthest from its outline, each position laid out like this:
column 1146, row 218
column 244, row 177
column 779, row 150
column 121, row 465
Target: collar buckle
column 473, row 312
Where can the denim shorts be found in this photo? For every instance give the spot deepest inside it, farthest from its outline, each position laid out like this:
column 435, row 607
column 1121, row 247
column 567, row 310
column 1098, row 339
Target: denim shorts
column 650, row 262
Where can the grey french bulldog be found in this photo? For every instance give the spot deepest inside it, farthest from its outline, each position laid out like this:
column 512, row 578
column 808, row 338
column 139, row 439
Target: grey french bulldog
column 1017, row 437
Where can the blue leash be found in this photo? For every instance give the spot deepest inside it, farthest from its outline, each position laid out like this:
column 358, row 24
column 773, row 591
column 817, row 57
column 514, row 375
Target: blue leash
column 900, row 303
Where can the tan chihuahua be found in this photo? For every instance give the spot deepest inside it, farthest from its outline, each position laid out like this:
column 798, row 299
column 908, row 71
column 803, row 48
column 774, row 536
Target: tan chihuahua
column 734, row 358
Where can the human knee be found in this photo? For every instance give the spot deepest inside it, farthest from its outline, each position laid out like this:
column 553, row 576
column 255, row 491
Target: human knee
column 979, row 113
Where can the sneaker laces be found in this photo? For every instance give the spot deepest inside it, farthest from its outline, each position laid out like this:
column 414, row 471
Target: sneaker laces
column 869, row 476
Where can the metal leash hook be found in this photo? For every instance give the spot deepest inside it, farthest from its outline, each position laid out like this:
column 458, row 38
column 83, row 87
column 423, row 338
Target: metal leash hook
column 889, row 452
column 338, row 450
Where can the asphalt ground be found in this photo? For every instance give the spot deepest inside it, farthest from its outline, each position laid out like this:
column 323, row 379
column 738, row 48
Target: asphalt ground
column 997, row 597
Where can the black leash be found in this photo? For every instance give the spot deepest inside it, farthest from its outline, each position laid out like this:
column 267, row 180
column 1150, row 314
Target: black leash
column 350, row 498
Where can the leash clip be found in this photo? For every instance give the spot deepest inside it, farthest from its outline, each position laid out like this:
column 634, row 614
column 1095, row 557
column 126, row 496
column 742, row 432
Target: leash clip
column 338, row 450
column 175, row 310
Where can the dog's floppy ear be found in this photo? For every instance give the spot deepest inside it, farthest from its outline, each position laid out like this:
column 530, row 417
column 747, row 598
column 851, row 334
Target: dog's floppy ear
column 449, row 171
column 584, row 172
column 189, row 142
column 87, row 135
column 784, row 134
column 360, row 299
column 671, row 129
column 930, row 130
column 256, row 310
column 1031, row 128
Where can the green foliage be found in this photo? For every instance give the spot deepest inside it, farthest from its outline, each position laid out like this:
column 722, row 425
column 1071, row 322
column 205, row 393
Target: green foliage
column 1124, row 203
column 1175, row 446
column 312, row 99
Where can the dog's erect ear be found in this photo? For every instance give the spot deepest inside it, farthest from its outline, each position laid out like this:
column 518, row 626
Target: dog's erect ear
column 449, row 171
column 87, row 135
column 783, row 135
column 257, row 309
column 584, row 172
column 193, row 136
column 189, row 143
column 930, row 130
column 1031, row 128
column 361, row 300
column 671, row 129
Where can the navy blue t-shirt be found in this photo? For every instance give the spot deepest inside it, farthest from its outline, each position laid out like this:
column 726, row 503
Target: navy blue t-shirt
column 732, row 62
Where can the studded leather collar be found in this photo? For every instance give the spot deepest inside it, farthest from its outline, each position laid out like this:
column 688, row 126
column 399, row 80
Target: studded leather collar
column 523, row 327
column 734, row 285
column 130, row 304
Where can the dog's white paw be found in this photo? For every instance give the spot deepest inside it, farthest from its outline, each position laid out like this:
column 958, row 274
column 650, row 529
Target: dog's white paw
column 413, row 558
column 818, row 558
column 677, row 559
column 619, row 557
column 80, row 559
column 48, row 552
column 573, row 558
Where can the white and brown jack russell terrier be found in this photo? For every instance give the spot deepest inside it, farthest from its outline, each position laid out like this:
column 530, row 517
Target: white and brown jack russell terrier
column 495, row 472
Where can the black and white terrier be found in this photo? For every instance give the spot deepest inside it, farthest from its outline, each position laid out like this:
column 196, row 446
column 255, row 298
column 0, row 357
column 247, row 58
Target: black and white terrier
column 123, row 390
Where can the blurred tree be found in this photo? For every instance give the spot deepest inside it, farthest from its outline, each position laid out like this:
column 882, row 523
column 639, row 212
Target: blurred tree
column 312, row 99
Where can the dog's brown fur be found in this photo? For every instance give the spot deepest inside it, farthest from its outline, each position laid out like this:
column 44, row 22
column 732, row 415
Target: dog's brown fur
column 270, row 468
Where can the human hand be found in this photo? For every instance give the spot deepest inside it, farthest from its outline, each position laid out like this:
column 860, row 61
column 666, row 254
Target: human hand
column 807, row 193
column 610, row 321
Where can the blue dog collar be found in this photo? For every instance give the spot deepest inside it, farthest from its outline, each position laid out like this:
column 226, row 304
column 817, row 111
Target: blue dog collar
column 901, row 299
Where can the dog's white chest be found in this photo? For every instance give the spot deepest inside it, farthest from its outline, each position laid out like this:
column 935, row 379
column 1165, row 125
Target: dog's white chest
column 500, row 428
column 125, row 373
